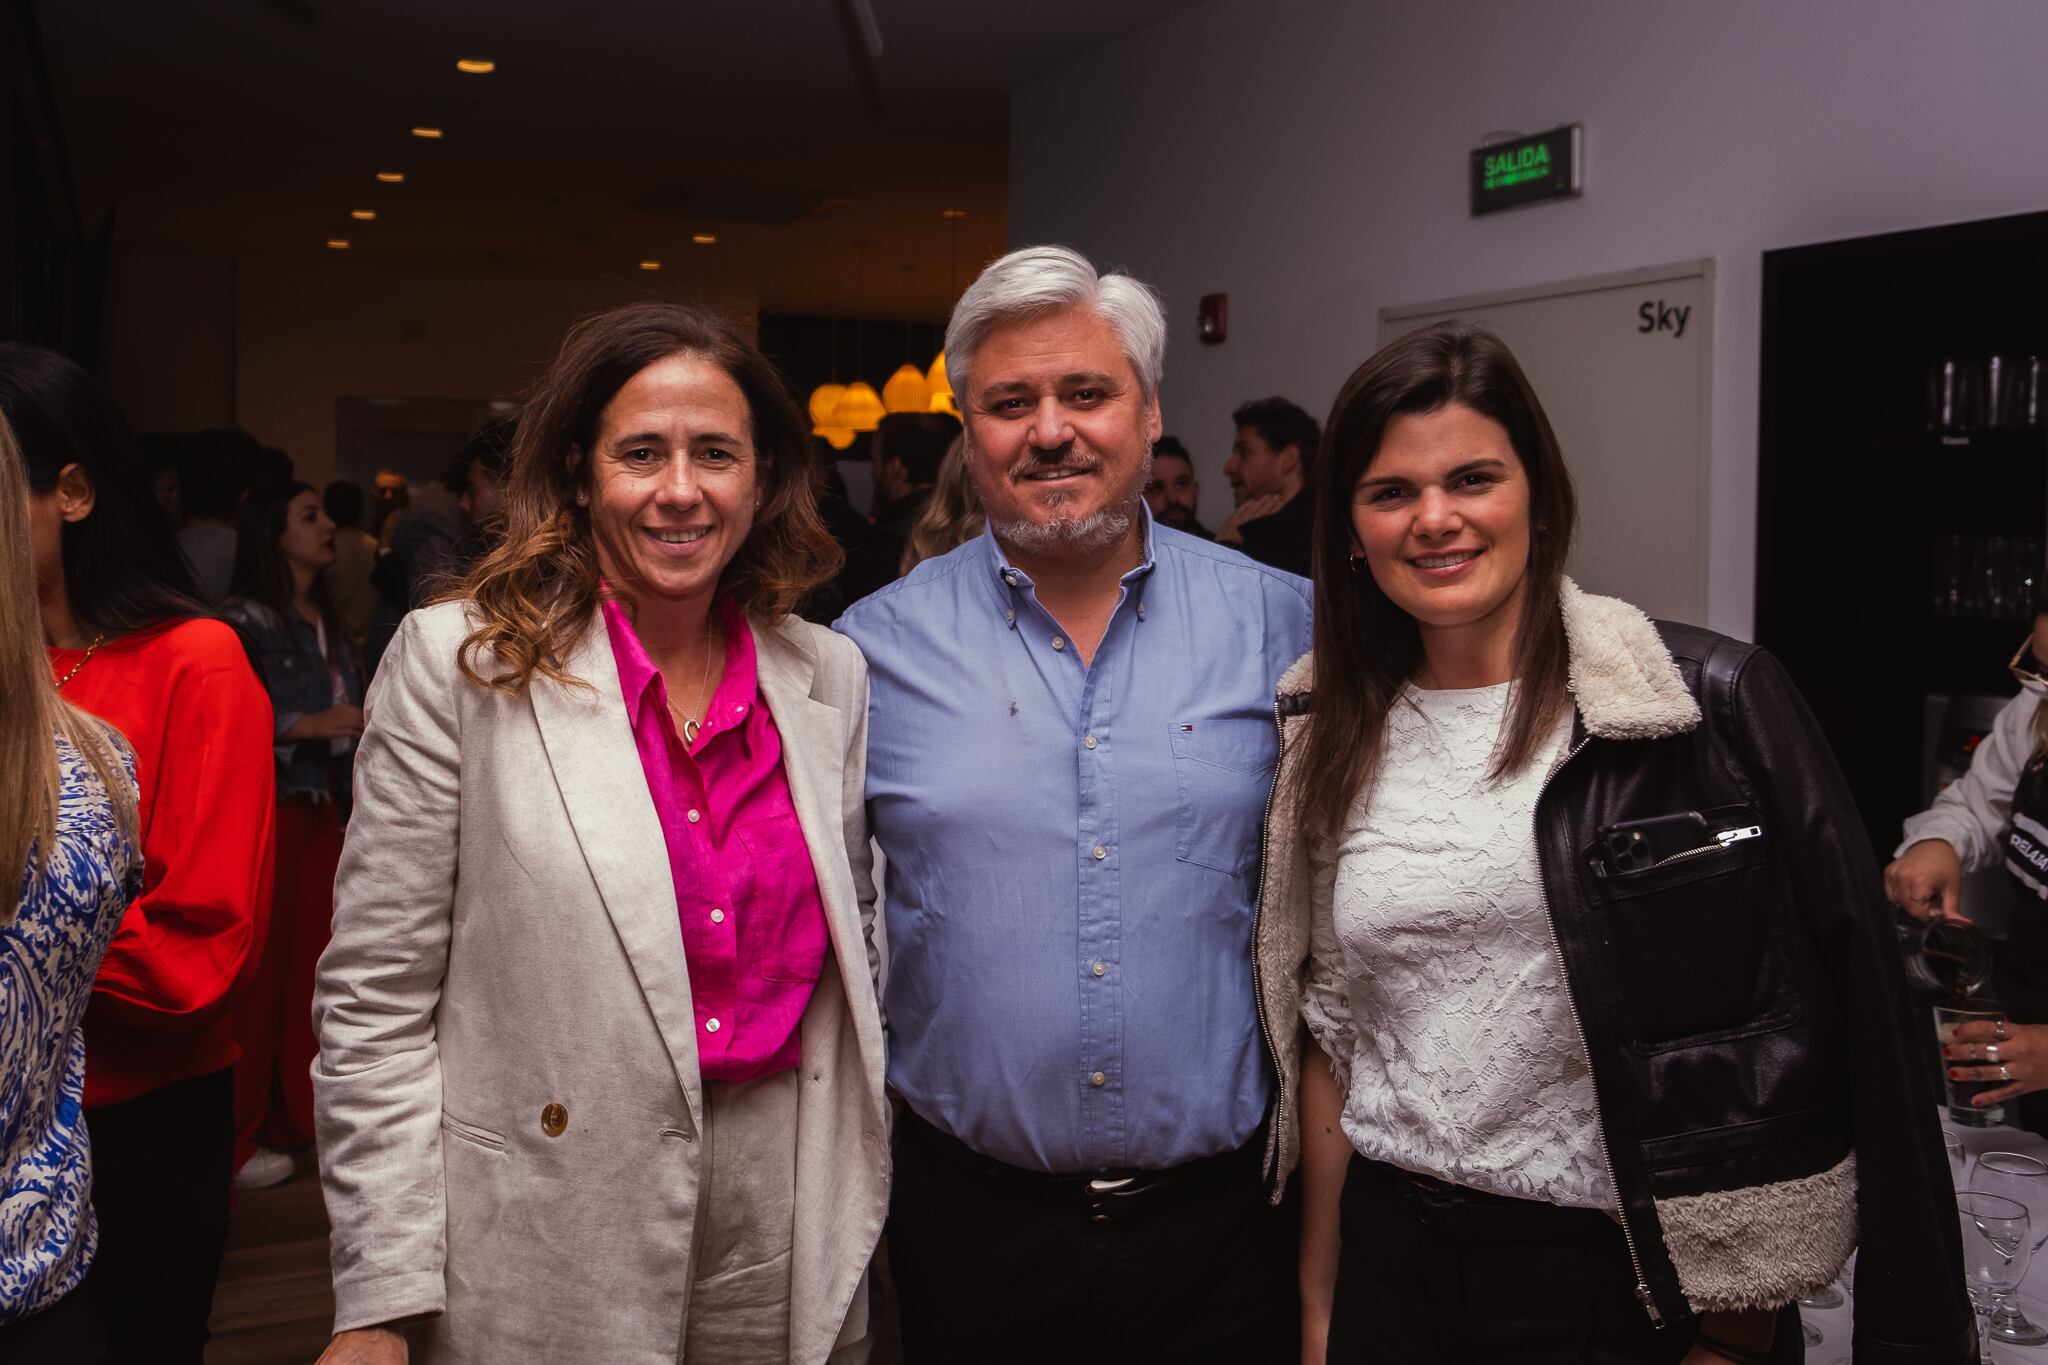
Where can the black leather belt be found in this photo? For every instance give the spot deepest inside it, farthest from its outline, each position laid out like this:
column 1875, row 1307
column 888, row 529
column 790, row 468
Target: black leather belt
column 1464, row 1212
column 1106, row 1197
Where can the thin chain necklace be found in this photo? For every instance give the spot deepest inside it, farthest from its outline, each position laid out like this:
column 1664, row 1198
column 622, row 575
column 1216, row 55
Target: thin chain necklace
column 690, row 724
column 97, row 641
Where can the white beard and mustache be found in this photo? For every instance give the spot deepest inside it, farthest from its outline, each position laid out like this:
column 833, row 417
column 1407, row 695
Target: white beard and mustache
column 1098, row 530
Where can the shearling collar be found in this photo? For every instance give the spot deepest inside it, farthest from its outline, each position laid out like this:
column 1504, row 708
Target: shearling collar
column 1622, row 678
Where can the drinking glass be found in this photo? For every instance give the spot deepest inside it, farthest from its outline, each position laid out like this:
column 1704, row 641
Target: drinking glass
column 2023, row 1180
column 1998, row 1242
column 1959, row 1093
column 1958, row 1159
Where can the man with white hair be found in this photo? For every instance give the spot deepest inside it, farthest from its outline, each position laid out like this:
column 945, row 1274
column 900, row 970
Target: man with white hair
column 1071, row 743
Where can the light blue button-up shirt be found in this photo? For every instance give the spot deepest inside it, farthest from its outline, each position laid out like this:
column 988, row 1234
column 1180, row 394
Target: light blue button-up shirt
column 1073, row 851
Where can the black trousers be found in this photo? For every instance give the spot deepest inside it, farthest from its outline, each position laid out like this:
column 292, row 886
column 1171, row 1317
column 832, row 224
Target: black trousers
column 71, row 1331
column 986, row 1274
column 161, row 1168
column 1430, row 1275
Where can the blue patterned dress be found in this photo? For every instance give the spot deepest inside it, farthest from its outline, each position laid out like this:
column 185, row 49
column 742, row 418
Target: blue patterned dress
column 48, row 958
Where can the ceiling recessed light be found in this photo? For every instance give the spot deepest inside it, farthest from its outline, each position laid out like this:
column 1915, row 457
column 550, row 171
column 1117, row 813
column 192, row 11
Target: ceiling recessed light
column 650, row 265
column 952, row 213
column 703, row 238
column 337, row 244
column 476, row 66
column 426, row 132
column 363, row 215
column 392, row 177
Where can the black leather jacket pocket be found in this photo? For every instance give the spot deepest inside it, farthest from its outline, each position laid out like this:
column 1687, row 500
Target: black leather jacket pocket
column 1694, row 945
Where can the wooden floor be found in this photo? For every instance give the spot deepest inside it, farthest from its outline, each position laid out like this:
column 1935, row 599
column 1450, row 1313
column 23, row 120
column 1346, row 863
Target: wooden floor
column 274, row 1305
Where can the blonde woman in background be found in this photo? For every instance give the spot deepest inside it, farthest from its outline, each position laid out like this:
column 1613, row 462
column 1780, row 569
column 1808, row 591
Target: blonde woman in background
column 952, row 517
column 67, row 835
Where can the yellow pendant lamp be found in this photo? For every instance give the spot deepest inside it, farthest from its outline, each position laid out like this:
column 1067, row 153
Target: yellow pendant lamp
column 942, row 399
column 859, row 408
column 907, row 391
column 823, row 399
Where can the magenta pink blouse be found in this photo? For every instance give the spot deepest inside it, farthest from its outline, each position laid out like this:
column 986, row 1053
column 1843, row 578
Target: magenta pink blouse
column 754, row 936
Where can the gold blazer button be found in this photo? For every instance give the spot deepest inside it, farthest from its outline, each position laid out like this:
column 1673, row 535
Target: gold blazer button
column 553, row 1120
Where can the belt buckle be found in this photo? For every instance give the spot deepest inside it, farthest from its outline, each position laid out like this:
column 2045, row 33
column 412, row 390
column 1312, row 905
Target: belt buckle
column 1101, row 1193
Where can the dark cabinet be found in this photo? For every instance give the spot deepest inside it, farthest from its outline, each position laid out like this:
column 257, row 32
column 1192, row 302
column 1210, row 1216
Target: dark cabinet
column 1902, row 482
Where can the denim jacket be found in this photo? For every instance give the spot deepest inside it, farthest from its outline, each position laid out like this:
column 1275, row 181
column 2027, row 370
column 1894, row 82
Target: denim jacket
column 297, row 678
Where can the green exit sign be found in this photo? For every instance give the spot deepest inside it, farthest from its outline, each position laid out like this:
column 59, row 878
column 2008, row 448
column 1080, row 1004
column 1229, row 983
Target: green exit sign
column 1524, row 170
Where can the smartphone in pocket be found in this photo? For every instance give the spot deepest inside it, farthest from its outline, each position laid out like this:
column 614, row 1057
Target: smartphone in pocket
column 1638, row 845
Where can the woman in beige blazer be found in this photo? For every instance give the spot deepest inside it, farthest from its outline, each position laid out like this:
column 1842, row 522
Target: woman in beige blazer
column 531, row 1140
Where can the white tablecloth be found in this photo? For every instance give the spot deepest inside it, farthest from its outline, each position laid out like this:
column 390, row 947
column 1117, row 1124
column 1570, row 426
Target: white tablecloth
column 1833, row 1323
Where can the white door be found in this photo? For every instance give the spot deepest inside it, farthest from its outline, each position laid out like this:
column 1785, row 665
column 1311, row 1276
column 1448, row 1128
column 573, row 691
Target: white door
column 1622, row 366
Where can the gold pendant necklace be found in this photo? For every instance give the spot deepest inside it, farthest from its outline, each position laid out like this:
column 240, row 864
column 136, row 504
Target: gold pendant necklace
column 97, row 641
column 690, row 724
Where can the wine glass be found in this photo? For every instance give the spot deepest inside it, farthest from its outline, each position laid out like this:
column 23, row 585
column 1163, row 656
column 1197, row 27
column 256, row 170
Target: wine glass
column 1998, row 1242
column 2023, row 1180
column 1958, row 1159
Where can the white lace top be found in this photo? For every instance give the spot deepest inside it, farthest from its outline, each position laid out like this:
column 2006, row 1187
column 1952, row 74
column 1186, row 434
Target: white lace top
column 1433, row 981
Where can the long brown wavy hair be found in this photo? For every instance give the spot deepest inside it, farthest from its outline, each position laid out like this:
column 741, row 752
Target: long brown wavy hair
column 1367, row 648
column 536, row 592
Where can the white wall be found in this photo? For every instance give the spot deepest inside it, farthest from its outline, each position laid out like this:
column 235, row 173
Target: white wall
column 1310, row 160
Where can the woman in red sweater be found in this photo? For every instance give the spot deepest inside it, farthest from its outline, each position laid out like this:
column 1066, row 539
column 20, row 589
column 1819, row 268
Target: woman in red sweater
column 129, row 643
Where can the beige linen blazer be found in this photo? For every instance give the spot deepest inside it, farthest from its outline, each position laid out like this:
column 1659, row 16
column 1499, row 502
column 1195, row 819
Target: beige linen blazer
column 507, row 1091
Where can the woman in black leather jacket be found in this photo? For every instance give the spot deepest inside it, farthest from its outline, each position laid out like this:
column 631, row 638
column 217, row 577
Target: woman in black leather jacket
column 1612, row 1040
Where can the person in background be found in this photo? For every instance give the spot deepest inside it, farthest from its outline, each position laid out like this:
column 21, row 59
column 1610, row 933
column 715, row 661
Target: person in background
column 849, row 530
column 214, row 470
column 600, row 1071
column 129, row 643
column 1612, row 1049
column 1271, row 459
column 1172, row 492
column 160, row 455
column 486, row 460
column 390, row 494
column 270, row 469
column 433, row 538
column 355, row 559
column 67, row 841
column 285, row 552
column 1996, row 814
column 905, row 453
column 1071, row 744
column 952, row 517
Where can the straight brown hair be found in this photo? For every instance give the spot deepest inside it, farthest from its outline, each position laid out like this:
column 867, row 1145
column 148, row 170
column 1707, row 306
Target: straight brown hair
column 1367, row 648
column 536, row 592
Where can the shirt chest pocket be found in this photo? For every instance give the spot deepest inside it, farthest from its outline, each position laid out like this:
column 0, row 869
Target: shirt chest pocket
column 1223, row 772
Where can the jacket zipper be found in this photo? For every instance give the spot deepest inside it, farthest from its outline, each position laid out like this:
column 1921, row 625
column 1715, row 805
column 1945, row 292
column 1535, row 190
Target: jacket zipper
column 1258, row 914
column 1721, row 841
column 1635, row 1260
column 1689, row 853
